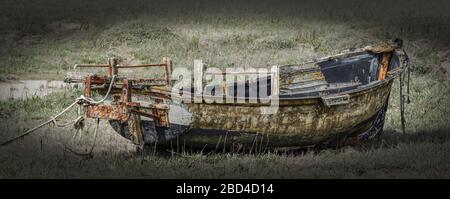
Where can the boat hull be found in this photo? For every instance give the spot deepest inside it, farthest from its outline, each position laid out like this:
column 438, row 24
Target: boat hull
column 298, row 122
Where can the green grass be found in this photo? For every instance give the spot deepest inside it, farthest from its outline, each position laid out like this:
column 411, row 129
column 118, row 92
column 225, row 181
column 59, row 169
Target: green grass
column 44, row 39
column 49, row 36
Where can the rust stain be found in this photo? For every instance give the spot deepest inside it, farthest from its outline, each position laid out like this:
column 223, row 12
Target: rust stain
column 384, row 65
column 113, row 112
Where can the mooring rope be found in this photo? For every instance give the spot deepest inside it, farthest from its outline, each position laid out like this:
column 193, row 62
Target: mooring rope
column 91, row 101
column 82, row 100
column 93, row 144
column 51, row 120
column 402, row 96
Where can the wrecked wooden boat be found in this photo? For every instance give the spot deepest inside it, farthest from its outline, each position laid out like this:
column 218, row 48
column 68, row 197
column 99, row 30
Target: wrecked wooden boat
column 335, row 98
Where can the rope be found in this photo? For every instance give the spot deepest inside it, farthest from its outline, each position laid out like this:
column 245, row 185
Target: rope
column 402, row 104
column 51, row 120
column 80, row 100
column 402, row 96
column 93, row 144
column 408, row 92
column 68, row 123
column 91, row 101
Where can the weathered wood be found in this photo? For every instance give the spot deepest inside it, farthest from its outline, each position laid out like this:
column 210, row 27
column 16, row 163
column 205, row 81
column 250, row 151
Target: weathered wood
column 384, row 65
column 275, row 81
column 168, row 70
column 134, row 124
column 198, row 80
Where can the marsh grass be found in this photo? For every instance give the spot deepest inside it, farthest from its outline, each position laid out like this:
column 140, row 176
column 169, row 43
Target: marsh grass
column 44, row 39
column 247, row 34
column 421, row 153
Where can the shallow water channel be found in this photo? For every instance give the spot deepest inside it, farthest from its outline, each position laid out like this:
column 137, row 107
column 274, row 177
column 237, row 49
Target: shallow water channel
column 23, row 89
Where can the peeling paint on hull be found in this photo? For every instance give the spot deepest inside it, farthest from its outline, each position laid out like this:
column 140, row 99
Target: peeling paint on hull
column 299, row 122
column 298, row 118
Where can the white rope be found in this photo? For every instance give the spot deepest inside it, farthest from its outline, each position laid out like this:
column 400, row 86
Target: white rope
column 51, row 120
column 91, row 101
column 80, row 100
